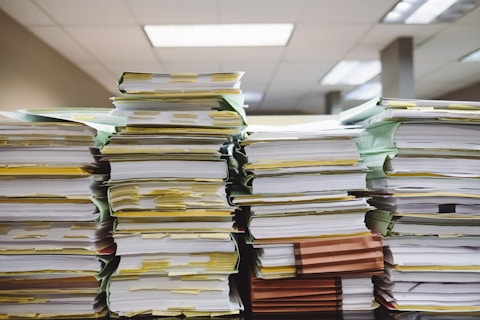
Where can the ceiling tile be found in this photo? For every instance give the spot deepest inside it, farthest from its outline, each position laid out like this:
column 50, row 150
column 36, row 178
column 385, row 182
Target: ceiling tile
column 63, row 43
column 265, row 11
column 345, row 11
column 26, row 12
column 301, row 73
column 87, row 12
column 363, row 52
column 450, row 45
column 381, row 35
column 311, row 42
column 254, row 86
column 254, row 72
column 423, row 68
column 174, row 11
column 472, row 17
column 114, row 44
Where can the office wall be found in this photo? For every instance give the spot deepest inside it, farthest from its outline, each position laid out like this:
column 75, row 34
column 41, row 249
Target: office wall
column 32, row 75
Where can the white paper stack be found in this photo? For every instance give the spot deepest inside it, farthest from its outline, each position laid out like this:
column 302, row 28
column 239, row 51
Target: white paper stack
column 55, row 241
column 424, row 158
column 306, row 229
column 168, row 189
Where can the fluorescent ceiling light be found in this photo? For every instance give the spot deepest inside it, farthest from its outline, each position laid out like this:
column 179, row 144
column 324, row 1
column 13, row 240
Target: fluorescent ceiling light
column 428, row 11
column 366, row 91
column 252, row 96
column 352, row 72
column 472, row 57
column 219, row 35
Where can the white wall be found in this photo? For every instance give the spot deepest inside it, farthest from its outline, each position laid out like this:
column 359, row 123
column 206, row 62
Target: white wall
column 32, row 75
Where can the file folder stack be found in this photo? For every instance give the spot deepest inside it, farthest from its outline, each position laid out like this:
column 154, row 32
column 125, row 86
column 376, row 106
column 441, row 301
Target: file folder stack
column 311, row 249
column 55, row 242
column 170, row 165
column 425, row 183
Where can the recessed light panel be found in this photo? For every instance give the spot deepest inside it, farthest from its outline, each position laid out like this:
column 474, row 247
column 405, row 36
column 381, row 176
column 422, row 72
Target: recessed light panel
column 219, row 35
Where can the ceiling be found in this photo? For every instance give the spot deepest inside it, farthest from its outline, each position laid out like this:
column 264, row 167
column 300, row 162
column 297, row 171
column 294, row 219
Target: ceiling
column 105, row 38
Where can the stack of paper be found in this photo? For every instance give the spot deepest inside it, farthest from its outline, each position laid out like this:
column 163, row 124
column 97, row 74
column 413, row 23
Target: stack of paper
column 312, row 250
column 168, row 189
column 425, row 183
column 179, row 84
column 55, row 242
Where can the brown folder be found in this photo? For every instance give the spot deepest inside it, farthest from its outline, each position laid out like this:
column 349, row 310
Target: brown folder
column 351, row 254
column 295, row 294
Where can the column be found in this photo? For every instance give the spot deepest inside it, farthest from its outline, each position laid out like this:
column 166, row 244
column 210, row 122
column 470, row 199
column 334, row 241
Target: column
column 333, row 104
column 397, row 69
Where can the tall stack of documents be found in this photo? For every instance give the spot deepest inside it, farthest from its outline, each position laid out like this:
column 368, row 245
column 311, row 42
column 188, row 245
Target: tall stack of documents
column 311, row 249
column 168, row 189
column 424, row 158
column 55, row 242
